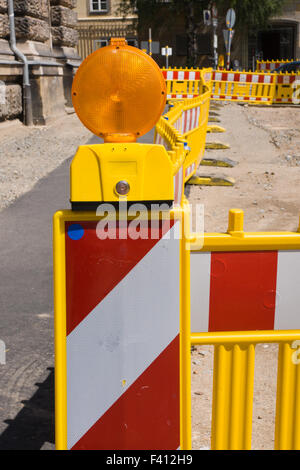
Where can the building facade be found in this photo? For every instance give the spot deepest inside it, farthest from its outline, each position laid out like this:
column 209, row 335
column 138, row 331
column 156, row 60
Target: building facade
column 45, row 35
column 98, row 21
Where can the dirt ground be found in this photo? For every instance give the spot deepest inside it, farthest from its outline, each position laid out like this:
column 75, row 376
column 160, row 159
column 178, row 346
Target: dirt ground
column 28, row 154
column 265, row 143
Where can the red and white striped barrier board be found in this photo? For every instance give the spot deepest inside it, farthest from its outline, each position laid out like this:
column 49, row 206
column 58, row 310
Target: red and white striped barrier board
column 123, row 304
column 178, row 186
column 242, row 77
column 159, row 140
column 269, row 66
column 189, row 170
column 180, row 96
column 240, row 291
column 190, row 119
column 181, row 74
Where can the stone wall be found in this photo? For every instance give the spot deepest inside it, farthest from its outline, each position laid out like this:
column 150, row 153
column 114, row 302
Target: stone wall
column 45, row 33
column 63, row 21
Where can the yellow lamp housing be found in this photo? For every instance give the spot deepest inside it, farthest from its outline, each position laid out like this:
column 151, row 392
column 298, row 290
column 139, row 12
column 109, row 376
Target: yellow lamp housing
column 121, row 171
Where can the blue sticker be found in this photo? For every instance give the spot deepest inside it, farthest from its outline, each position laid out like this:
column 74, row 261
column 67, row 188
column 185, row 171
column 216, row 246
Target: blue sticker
column 75, row 231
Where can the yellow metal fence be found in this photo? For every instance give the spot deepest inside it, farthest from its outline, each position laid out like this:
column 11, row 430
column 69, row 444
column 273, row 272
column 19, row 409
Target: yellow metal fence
column 182, row 130
column 233, row 383
column 261, row 88
column 234, row 351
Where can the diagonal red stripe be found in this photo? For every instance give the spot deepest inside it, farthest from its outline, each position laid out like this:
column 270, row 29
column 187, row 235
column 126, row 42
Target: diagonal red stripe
column 146, row 416
column 94, row 267
column 243, row 291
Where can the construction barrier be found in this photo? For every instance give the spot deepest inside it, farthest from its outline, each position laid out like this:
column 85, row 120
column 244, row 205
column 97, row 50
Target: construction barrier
column 128, row 273
column 287, row 88
column 254, row 87
column 244, row 291
column 258, row 88
column 186, row 83
column 183, row 130
column 122, row 332
column 270, row 65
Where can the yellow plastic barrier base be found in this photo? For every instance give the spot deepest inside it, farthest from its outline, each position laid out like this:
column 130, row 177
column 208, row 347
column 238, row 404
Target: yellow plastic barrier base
column 215, row 129
column 211, row 180
column 214, row 119
column 216, row 146
column 220, row 162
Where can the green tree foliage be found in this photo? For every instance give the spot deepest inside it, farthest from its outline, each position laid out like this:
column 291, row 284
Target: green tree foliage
column 160, row 14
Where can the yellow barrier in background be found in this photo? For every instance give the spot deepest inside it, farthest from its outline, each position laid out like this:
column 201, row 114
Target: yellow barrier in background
column 270, row 65
column 264, row 88
column 182, row 130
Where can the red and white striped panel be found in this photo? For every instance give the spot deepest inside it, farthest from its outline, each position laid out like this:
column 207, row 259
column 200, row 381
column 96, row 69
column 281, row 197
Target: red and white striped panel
column 178, row 186
column 240, row 291
column 261, row 99
column 181, row 74
column 190, row 119
column 180, row 96
column 269, row 65
column 177, row 124
column 242, row 77
column 123, row 307
column 286, row 79
column 159, row 140
column 189, row 170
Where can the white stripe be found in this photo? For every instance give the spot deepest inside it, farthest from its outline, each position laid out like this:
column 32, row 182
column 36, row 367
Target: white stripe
column 230, row 77
column 267, row 79
column 122, row 336
column 200, row 290
column 181, row 75
column 218, row 76
column 192, row 75
column 287, row 311
column 254, row 78
column 169, row 75
column 180, row 181
column 286, row 80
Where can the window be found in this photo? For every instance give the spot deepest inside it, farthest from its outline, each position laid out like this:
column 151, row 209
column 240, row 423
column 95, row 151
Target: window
column 98, row 6
column 98, row 43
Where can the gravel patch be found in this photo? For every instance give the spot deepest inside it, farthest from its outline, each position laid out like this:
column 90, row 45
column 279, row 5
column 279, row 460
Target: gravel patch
column 29, row 154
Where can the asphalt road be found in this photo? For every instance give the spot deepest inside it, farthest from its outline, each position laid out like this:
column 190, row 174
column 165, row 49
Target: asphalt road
column 26, row 312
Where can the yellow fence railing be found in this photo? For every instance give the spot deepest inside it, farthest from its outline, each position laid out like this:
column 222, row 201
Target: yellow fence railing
column 182, row 130
column 264, row 88
column 243, row 293
column 270, row 65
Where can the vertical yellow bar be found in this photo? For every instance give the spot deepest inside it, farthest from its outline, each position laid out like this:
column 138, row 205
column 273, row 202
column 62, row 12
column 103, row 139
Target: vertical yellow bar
column 185, row 337
column 287, row 424
column 232, row 397
column 60, row 332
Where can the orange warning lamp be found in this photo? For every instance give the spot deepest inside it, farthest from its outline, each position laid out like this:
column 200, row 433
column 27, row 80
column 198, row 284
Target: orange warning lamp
column 119, row 92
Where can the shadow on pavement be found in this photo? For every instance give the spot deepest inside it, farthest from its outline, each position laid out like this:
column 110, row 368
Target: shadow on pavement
column 33, row 427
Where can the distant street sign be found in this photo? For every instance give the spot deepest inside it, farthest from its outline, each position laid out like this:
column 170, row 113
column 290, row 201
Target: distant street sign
column 155, row 46
column 166, row 51
column 230, row 18
column 207, row 17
